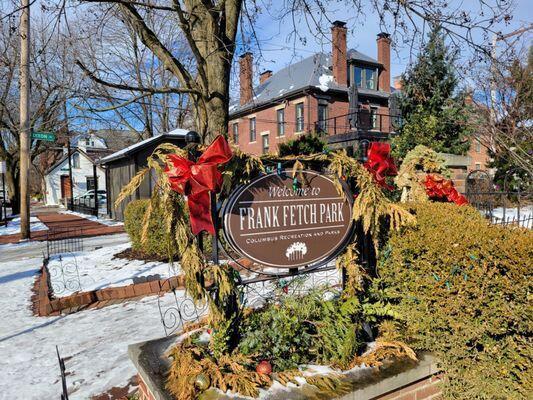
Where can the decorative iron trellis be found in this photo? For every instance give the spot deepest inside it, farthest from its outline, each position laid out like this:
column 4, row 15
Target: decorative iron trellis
column 180, row 311
column 64, row 275
column 64, row 240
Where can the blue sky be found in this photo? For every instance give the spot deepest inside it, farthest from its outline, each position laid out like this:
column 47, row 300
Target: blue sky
column 279, row 48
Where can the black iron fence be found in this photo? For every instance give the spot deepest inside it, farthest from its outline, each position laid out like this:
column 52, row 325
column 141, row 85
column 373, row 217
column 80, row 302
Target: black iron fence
column 64, row 240
column 83, row 206
column 361, row 120
column 504, row 207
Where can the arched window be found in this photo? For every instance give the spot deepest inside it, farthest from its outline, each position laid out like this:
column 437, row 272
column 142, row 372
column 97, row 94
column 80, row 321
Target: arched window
column 76, row 160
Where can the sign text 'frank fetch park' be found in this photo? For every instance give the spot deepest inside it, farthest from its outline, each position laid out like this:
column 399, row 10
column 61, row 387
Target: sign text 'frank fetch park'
column 279, row 222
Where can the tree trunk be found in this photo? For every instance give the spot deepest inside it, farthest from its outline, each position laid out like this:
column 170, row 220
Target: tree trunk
column 13, row 187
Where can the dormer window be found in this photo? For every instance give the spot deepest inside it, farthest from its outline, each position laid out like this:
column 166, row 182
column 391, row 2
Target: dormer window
column 365, row 77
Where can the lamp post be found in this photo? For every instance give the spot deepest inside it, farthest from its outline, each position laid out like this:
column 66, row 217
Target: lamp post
column 69, row 150
column 193, row 139
column 363, row 150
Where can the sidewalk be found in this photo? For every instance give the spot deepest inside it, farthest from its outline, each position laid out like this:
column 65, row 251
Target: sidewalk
column 63, row 221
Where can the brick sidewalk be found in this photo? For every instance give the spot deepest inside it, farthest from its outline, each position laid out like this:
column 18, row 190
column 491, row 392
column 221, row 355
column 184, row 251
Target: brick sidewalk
column 63, row 221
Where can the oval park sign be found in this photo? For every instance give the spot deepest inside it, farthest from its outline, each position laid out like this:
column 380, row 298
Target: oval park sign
column 279, row 222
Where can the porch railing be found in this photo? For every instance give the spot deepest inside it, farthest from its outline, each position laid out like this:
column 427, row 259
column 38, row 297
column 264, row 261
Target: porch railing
column 361, row 120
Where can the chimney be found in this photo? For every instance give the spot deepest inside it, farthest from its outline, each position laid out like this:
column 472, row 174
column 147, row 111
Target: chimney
column 265, row 75
column 397, row 82
column 340, row 63
column 384, row 59
column 245, row 77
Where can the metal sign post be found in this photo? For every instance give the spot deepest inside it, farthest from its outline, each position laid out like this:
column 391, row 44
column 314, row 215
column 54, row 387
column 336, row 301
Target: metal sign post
column 3, row 170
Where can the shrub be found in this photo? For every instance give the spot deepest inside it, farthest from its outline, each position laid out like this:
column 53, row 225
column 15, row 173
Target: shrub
column 304, row 145
column 303, row 329
column 159, row 243
column 462, row 288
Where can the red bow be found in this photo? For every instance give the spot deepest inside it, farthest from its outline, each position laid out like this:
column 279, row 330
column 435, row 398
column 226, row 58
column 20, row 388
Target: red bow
column 380, row 163
column 443, row 189
column 197, row 179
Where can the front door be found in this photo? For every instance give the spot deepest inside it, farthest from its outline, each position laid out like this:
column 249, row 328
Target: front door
column 66, row 187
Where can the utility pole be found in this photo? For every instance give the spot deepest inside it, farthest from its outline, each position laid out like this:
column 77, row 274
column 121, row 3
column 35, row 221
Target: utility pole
column 25, row 119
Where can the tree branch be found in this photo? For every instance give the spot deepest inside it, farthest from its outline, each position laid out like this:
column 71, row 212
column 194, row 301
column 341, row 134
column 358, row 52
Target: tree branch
column 121, row 86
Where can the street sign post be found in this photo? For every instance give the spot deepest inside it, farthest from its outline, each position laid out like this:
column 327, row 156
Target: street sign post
column 46, row 136
column 3, row 205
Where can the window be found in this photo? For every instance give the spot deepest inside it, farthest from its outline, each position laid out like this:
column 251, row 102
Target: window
column 266, row 143
column 300, row 117
column 478, row 146
column 90, row 182
column 370, row 78
column 478, row 166
column 76, row 160
column 373, row 117
column 322, row 117
column 252, row 130
column 281, row 121
column 235, row 128
column 366, row 78
column 358, row 72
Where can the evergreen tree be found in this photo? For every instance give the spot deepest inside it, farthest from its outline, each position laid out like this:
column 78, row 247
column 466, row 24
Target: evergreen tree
column 434, row 110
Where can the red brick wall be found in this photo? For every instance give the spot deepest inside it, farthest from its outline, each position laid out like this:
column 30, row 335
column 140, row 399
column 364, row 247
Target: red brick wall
column 144, row 393
column 481, row 157
column 338, row 53
column 266, row 124
column 384, row 43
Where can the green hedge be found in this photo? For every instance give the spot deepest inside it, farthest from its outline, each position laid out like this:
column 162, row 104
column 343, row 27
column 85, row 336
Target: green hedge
column 463, row 289
column 159, row 243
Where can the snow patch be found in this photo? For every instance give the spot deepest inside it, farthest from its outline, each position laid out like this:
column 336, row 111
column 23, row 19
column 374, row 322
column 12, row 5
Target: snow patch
column 13, row 226
column 98, row 269
column 94, row 342
column 104, row 221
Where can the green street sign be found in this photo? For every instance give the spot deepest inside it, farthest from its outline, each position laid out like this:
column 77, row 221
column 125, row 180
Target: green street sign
column 47, row 136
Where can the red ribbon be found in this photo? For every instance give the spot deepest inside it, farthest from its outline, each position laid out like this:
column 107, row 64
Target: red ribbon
column 197, row 179
column 380, row 163
column 438, row 188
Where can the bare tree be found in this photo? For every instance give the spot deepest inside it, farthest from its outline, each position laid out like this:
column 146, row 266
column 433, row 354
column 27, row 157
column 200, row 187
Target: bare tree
column 112, row 48
column 51, row 85
column 210, row 28
column 504, row 107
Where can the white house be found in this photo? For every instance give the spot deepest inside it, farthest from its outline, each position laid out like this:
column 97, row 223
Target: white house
column 86, row 149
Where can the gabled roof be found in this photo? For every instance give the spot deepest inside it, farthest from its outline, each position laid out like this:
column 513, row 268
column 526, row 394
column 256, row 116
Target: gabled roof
column 314, row 72
column 65, row 157
column 358, row 56
column 176, row 133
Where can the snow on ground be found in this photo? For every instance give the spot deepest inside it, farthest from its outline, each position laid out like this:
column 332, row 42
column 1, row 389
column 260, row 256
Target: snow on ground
column 104, row 221
column 97, row 269
column 94, row 342
column 13, row 226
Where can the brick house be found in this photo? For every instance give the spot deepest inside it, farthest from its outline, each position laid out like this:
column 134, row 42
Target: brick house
column 313, row 96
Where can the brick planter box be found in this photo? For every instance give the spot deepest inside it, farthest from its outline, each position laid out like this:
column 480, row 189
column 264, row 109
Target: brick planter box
column 45, row 304
column 403, row 380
